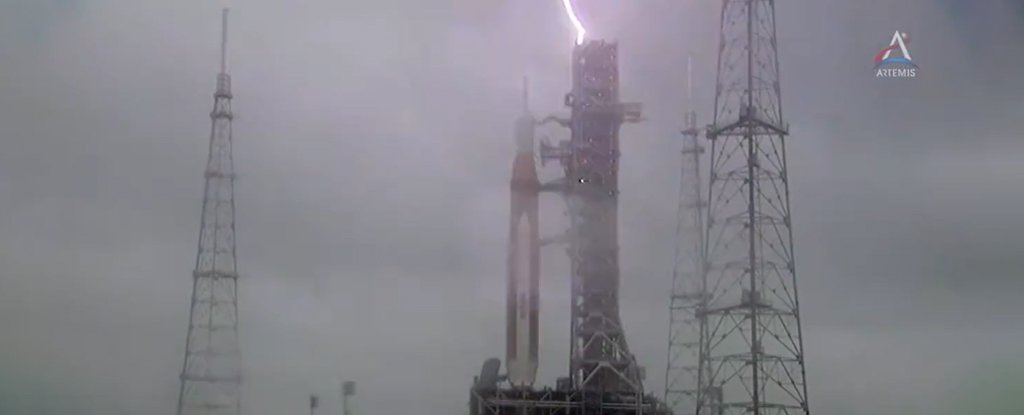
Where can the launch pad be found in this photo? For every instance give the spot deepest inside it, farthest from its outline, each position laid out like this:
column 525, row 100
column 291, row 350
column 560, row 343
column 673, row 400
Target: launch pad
column 604, row 377
column 509, row 401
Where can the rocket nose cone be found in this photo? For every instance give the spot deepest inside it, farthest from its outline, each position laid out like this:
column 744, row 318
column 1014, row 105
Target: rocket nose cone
column 524, row 134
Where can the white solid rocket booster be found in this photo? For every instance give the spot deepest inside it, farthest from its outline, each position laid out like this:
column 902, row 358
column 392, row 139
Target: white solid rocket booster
column 523, row 259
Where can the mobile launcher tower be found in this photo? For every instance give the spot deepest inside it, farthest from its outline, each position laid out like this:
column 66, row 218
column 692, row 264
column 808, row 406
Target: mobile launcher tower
column 604, row 376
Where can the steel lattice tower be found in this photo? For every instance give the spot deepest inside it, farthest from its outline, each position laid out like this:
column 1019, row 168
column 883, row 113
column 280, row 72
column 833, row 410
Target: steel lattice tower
column 211, row 374
column 684, row 328
column 751, row 340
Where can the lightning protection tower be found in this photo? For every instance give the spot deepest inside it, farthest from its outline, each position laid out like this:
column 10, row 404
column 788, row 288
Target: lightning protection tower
column 686, row 295
column 211, row 374
column 751, row 340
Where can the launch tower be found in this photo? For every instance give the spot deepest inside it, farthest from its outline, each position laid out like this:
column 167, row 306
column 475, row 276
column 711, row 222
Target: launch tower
column 752, row 355
column 211, row 374
column 600, row 360
column 604, row 377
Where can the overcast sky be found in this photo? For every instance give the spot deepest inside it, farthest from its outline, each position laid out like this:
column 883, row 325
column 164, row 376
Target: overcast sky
column 374, row 143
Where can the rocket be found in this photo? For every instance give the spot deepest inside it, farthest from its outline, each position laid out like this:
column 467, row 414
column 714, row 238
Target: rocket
column 523, row 257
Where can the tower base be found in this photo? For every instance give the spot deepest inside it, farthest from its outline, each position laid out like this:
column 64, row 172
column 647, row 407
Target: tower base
column 547, row 401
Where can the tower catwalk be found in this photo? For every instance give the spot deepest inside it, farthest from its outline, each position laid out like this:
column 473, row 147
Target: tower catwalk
column 211, row 374
column 751, row 340
column 684, row 328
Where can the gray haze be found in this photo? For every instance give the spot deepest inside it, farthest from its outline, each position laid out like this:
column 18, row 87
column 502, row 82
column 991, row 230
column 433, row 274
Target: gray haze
column 373, row 144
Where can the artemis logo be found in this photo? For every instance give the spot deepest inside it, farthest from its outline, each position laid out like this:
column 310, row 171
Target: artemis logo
column 889, row 66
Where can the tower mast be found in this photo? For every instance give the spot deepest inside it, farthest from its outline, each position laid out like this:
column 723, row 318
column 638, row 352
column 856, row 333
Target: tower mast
column 751, row 340
column 681, row 378
column 211, row 373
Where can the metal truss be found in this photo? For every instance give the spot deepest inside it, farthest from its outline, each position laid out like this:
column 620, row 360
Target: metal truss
column 211, row 373
column 681, row 379
column 752, row 359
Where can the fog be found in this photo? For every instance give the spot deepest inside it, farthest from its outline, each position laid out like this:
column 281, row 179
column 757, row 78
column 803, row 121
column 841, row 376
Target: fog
column 373, row 144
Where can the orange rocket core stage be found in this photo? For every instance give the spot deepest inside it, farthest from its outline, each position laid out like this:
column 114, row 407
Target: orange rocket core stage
column 523, row 261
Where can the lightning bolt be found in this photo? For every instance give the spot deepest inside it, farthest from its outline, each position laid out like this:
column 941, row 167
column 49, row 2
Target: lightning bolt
column 580, row 31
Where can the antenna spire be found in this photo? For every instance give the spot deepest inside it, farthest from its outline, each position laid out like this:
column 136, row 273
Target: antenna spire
column 526, row 94
column 224, row 42
column 689, row 81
